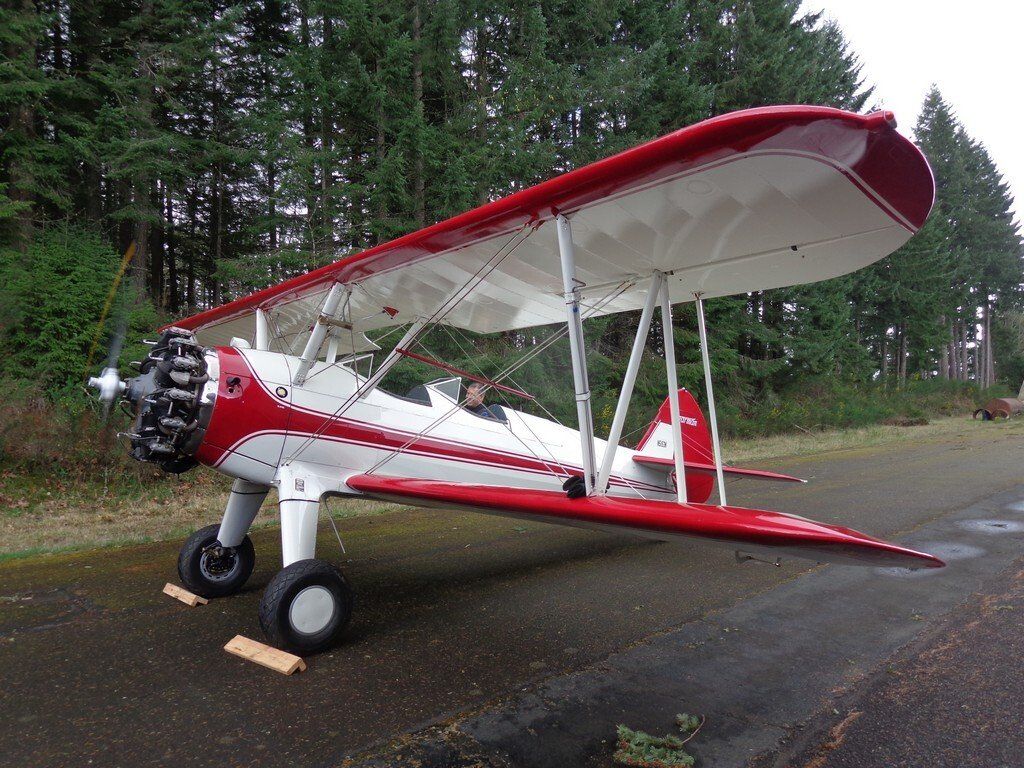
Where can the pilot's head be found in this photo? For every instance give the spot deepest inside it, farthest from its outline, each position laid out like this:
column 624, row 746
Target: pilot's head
column 475, row 395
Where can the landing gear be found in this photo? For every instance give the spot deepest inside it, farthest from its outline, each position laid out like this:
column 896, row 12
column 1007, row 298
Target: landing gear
column 306, row 606
column 212, row 570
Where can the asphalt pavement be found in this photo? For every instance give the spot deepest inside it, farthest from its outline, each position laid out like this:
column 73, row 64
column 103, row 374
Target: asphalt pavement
column 487, row 641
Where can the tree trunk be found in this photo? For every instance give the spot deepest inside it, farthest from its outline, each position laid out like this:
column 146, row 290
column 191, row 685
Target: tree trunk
column 190, row 260
column 21, row 126
column 326, row 219
column 480, row 86
column 173, row 294
column 990, row 368
column 216, row 234
column 418, row 196
column 83, row 42
column 902, row 368
column 156, row 250
column 272, row 203
column 379, row 151
column 954, row 353
column 140, row 261
column 965, row 370
column 308, row 132
column 944, row 356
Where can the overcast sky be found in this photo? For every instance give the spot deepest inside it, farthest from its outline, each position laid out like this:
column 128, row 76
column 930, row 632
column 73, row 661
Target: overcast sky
column 973, row 51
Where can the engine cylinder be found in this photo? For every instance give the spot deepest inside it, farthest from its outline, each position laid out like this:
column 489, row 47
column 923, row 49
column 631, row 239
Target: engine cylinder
column 172, row 400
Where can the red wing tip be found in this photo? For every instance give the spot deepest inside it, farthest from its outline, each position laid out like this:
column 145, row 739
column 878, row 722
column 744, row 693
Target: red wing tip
column 911, row 559
column 883, row 116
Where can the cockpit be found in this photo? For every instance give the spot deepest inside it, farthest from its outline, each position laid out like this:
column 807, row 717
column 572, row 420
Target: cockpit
column 451, row 390
column 357, row 355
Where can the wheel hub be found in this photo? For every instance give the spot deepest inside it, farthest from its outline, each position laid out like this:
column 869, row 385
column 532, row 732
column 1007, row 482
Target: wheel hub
column 218, row 563
column 311, row 610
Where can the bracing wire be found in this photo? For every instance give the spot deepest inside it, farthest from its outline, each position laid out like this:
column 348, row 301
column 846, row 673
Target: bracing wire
column 505, row 400
column 611, row 296
column 512, row 244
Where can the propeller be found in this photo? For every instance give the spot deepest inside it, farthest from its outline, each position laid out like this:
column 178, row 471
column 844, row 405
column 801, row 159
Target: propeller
column 109, row 382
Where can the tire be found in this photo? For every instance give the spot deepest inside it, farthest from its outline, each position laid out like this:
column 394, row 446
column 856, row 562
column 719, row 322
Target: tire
column 306, row 606
column 209, row 576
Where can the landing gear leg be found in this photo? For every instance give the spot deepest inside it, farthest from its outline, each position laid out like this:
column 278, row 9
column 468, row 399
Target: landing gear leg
column 217, row 560
column 243, row 505
column 308, row 604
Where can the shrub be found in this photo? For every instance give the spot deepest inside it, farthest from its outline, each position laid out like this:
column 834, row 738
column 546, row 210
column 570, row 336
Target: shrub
column 38, row 435
column 51, row 300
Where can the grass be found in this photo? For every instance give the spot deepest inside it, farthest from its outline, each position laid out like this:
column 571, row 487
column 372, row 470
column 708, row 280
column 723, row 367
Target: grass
column 739, row 451
column 41, row 512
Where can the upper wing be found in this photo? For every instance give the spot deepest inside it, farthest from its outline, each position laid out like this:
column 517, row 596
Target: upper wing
column 747, row 529
column 750, row 200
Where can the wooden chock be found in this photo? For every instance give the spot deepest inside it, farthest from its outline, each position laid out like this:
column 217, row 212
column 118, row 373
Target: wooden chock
column 265, row 655
column 184, row 595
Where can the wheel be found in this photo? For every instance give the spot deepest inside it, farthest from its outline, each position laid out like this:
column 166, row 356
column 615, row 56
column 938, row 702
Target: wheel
column 306, row 606
column 211, row 570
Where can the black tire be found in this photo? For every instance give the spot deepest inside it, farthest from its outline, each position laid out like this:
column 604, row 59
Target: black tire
column 316, row 580
column 211, row 574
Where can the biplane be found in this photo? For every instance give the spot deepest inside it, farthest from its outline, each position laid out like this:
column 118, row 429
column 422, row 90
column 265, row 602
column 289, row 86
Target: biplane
column 283, row 389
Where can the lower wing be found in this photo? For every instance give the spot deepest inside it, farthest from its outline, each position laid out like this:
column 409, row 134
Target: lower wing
column 737, row 527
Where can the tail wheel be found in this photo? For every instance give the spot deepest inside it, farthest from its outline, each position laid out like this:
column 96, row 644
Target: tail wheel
column 210, row 570
column 306, row 607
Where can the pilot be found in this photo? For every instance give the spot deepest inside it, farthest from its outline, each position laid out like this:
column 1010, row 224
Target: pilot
column 475, row 402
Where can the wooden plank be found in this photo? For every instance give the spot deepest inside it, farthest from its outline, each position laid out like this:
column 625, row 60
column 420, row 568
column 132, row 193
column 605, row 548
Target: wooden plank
column 184, row 595
column 268, row 656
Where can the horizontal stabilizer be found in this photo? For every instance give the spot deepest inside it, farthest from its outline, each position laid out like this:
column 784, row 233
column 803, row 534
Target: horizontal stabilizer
column 736, row 527
column 659, row 462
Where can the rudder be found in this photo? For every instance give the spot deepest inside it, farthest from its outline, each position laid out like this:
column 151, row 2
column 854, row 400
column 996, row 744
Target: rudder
column 697, row 447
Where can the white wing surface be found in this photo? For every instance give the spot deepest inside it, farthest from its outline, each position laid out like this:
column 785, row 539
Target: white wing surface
column 751, row 200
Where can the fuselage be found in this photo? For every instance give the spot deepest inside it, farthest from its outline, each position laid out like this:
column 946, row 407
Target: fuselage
column 260, row 421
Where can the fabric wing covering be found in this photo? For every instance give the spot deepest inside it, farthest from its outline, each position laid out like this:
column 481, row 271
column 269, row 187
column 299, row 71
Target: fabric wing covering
column 751, row 200
column 756, row 531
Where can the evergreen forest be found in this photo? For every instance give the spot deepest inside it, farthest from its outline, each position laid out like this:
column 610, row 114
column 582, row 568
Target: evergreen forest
column 240, row 143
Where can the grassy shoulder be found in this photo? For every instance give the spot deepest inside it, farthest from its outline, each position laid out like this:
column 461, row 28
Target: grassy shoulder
column 42, row 513
column 748, row 450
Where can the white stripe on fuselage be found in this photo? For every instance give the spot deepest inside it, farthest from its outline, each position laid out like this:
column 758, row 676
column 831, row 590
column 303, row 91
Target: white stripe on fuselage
column 329, row 387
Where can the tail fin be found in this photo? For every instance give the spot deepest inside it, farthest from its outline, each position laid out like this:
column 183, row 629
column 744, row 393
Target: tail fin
column 656, row 450
column 657, row 443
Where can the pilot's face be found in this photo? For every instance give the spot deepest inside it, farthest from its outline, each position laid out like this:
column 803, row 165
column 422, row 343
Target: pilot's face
column 474, row 395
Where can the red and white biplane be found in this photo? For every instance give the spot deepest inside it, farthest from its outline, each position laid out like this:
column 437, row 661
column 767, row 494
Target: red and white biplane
column 277, row 390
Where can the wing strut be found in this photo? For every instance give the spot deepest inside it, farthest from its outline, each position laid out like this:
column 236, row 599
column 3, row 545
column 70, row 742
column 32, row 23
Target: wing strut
column 571, row 287
column 668, row 333
column 711, row 398
column 626, row 393
column 320, row 327
column 262, row 331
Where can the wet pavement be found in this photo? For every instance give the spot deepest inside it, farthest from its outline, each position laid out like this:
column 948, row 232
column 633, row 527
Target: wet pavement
column 953, row 697
column 473, row 635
